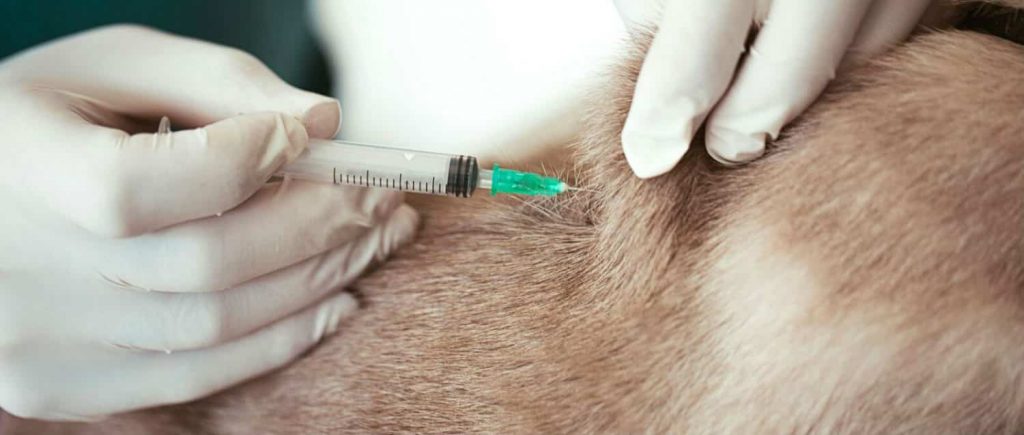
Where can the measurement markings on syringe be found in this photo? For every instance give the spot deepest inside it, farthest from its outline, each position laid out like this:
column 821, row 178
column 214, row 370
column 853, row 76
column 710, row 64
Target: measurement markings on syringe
column 367, row 179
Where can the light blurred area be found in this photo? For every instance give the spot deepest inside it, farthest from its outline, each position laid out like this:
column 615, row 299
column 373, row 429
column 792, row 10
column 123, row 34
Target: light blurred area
column 504, row 80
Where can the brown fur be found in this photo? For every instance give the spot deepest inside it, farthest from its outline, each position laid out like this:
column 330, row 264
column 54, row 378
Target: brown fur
column 866, row 276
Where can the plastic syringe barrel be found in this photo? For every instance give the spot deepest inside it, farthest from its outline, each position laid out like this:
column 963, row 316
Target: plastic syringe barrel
column 341, row 162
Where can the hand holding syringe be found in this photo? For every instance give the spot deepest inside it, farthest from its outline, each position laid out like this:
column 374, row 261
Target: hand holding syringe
column 155, row 253
column 342, row 162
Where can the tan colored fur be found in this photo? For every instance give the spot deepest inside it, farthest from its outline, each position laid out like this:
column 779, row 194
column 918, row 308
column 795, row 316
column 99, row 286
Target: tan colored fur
column 866, row 276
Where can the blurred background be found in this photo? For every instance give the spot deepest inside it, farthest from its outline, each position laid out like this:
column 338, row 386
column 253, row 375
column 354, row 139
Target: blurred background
column 503, row 80
column 278, row 32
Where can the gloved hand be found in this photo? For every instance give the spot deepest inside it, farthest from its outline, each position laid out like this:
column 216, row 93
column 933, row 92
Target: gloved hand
column 691, row 68
column 141, row 269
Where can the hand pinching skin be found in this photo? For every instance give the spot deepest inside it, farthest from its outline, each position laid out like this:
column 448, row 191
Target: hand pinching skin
column 699, row 68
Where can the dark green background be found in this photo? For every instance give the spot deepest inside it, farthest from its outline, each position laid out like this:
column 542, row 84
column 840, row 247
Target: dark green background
column 276, row 31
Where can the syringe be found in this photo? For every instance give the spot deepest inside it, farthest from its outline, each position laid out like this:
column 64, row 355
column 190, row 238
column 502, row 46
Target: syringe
column 341, row 162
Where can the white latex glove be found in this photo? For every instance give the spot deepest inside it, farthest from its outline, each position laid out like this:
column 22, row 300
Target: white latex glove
column 691, row 68
column 140, row 269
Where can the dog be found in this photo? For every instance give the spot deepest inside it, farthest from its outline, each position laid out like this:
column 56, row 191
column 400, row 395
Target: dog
column 865, row 276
